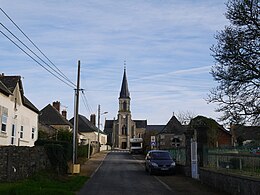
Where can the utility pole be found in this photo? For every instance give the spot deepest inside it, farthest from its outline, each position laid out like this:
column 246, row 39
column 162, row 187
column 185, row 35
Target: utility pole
column 98, row 125
column 76, row 110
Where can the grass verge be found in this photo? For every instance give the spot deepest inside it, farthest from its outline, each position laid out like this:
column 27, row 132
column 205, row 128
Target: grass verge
column 44, row 183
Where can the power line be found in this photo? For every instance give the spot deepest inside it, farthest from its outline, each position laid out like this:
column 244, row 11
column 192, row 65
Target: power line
column 34, row 53
column 60, row 72
column 35, row 59
column 85, row 102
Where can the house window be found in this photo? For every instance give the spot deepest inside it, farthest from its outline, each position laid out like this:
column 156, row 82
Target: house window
column 21, row 132
column 176, row 142
column 4, row 122
column 33, row 132
column 13, row 135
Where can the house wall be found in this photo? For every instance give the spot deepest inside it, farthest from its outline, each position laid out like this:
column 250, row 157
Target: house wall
column 166, row 141
column 18, row 115
column 224, row 139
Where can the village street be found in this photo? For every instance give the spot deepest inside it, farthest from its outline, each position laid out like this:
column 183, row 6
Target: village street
column 122, row 173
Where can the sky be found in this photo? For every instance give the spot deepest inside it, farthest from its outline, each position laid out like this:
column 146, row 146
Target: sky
column 164, row 44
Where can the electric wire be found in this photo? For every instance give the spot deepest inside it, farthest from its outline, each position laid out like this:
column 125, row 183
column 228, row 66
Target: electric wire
column 35, row 59
column 85, row 101
column 33, row 52
column 63, row 75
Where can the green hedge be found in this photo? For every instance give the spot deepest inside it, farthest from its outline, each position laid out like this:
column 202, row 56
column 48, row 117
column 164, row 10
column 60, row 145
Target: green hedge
column 83, row 151
column 57, row 157
column 67, row 146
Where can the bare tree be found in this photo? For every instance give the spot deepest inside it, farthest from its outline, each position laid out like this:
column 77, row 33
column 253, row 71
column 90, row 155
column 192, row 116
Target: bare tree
column 185, row 117
column 237, row 68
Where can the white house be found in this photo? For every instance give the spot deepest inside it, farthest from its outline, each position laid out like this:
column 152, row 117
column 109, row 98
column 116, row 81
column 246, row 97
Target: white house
column 18, row 116
column 90, row 133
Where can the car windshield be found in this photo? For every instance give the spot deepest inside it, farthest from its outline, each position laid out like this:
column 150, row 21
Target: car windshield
column 160, row 156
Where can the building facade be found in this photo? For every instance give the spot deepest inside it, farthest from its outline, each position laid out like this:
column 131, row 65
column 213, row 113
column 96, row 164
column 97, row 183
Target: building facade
column 123, row 128
column 18, row 116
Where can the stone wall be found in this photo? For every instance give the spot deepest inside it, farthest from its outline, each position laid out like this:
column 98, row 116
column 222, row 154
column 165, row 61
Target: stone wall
column 232, row 184
column 20, row 162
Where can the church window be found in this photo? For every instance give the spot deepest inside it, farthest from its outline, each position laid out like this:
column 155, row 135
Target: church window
column 124, row 106
column 124, row 130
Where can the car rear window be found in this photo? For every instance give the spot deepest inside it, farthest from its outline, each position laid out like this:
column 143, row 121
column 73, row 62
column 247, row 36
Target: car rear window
column 160, row 156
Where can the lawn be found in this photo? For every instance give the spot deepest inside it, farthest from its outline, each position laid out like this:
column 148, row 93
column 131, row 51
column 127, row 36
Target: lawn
column 44, row 183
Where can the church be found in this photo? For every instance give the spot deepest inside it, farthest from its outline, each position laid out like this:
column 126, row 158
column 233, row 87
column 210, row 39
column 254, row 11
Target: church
column 123, row 128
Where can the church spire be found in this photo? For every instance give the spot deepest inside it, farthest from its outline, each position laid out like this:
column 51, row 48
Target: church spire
column 124, row 93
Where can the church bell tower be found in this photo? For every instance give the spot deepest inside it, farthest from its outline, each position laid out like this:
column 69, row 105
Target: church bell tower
column 124, row 115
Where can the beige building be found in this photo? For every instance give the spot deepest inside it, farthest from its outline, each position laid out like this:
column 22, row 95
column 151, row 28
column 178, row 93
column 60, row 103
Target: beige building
column 123, row 128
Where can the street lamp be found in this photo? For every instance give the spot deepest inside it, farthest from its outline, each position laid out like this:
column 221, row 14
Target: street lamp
column 99, row 114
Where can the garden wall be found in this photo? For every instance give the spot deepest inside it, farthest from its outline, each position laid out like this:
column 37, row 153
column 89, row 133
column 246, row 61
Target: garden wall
column 20, row 162
column 231, row 183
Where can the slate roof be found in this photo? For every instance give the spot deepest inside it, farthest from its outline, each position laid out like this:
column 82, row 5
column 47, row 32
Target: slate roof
column 4, row 89
column 7, row 86
column 140, row 123
column 109, row 124
column 50, row 116
column 173, row 126
column 157, row 128
column 85, row 125
column 247, row 132
column 124, row 93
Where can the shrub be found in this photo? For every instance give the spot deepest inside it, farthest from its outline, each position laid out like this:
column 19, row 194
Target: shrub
column 57, row 157
column 83, row 151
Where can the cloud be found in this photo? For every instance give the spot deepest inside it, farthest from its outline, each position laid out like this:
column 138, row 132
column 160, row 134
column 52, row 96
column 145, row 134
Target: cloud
column 165, row 45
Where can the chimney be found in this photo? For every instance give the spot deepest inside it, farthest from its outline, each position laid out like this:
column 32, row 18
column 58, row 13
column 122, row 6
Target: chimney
column 93, row 119
column 56, row 105
column 64, row 113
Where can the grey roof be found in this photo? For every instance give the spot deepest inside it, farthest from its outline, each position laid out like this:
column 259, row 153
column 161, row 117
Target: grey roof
column 173, row 126
column 140, row 123
column 4, row 89
column 85, row 125
column 7, row 86
column 109, row 124
column 124, row 93
column 50, row 116
column 157, row 128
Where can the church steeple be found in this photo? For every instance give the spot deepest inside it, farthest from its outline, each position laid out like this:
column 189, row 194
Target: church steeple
column 124, row 93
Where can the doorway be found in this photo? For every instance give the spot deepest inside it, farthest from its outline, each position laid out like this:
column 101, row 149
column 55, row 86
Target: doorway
column 123, row 145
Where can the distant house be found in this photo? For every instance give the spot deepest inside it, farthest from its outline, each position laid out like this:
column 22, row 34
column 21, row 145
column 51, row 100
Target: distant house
column 245, row 134
column 172, row 135
column 90, row 132
column 151, row 130
column 209, row 133
column 18, row 116
column 51, row 120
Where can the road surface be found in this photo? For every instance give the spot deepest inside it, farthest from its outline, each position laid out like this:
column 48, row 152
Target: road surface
column 122, row 174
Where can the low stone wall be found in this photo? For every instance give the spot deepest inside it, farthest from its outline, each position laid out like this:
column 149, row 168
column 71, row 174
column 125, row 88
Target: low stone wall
column 230, row 183
column 20, row 162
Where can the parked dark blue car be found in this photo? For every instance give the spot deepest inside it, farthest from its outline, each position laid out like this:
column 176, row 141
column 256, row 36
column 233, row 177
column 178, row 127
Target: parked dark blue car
column 159, row 161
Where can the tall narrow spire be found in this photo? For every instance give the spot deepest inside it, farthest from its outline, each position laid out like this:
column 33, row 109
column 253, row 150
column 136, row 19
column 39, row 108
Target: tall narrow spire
column 124, row 93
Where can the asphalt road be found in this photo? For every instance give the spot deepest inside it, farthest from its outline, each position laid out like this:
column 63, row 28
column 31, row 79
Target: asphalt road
column 122, row 174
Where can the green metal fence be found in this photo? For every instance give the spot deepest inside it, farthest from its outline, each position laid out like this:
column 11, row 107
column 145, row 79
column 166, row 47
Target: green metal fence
column 242, row 160
column 179, row 154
